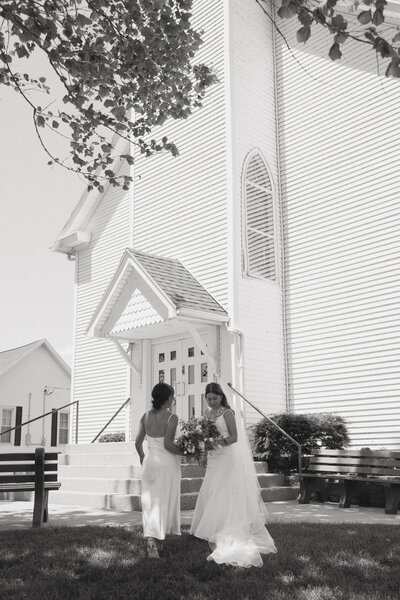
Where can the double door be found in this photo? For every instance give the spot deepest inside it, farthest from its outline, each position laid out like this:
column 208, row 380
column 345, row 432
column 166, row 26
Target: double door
column 182, row 364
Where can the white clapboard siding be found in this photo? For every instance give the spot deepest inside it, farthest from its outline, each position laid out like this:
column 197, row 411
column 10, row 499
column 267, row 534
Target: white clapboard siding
column 100, row 374
column 180, row 203
column 258, row 307
column 339, row 135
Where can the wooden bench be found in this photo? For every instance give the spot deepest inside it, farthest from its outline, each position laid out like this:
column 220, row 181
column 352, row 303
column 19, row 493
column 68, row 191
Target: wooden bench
column 350, row 467
column 31, row 472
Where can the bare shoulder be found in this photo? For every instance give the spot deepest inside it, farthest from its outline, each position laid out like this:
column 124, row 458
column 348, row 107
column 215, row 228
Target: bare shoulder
column 173, row 418
column 229, row 415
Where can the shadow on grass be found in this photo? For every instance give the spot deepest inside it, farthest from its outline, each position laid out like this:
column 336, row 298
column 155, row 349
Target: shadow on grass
column 314, row 562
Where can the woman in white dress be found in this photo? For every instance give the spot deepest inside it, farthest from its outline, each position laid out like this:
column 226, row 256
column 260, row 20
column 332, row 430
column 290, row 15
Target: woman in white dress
column 161, row 470
column 230, row 513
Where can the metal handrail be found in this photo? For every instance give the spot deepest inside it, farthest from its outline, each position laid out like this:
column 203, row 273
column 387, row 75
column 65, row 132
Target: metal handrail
column 289, row 437
column 37, row 418
column 112, row 418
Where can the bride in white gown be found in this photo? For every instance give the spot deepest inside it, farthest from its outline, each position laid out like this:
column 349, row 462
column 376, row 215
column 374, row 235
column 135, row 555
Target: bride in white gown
column 230, row 513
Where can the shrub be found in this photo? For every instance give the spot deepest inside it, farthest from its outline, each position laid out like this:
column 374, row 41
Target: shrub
column 119, row 436
column 310, row 430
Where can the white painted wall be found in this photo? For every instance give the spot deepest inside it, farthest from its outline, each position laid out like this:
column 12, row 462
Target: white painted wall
column 30, row 376
column 101, row 377
column 339, row 136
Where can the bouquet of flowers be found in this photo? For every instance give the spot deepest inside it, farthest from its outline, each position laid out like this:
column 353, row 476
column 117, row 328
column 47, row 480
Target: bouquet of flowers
column 199, row 436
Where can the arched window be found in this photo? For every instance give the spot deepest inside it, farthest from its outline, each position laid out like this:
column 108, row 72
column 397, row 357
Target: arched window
column 259, row 231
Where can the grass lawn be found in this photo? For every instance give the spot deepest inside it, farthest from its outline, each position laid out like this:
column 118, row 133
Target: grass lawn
column 315, row 561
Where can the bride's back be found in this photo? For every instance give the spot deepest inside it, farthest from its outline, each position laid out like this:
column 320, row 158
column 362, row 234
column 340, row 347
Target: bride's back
column 156, row 422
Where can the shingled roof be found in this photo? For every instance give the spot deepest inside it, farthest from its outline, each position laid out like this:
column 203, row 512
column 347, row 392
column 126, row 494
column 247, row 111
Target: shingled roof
column 178, row 283
column 147, row 289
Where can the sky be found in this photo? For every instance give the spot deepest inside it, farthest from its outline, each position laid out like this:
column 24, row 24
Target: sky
column 37, row 285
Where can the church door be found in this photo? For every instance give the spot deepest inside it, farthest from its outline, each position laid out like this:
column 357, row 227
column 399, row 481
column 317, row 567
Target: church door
column 181, row 364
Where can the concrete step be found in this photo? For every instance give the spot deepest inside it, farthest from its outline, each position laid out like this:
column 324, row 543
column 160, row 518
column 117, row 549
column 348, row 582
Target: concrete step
column 100, row 485
column 99, row 471
column 107, row 476
column 119, row 486
column 273, row 494
column 267, row 480
column 119, row 502
column 131, row 502
column 98, row 459
column 102, row 448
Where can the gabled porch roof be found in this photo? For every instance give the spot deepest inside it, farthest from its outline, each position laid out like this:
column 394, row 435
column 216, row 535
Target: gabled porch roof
column 152, row 296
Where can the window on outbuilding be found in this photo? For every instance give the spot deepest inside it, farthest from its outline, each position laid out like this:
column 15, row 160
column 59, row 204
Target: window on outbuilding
column 63, row 428
column 6, row 423
column 259, row 230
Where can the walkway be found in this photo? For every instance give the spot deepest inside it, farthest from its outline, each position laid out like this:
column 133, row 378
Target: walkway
column 18, row 515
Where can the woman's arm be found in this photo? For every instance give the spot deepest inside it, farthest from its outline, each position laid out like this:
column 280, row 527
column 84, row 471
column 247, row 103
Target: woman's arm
column 170, row 435
column 141, row 434
column 232, row 429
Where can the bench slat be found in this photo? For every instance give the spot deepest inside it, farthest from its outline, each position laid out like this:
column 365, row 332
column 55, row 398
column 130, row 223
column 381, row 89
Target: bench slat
column 323, row 468
column 390, row 480
column 30, row 456
column 27, row 487
column 26, row 467
column 25, row 478
column 364, row 453
column 347, row 460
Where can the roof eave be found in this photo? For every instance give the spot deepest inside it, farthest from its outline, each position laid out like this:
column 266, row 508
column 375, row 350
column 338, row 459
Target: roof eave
column 72, row 243
column 201, row 315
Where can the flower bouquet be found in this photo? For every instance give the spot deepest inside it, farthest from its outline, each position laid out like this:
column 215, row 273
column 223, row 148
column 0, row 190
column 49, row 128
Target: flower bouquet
column 199, row 436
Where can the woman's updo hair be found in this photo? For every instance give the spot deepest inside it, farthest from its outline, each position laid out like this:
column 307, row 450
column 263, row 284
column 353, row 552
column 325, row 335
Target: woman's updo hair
column 214, row 388
column 161, row 393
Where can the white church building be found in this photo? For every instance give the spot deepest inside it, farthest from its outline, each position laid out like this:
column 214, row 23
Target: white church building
column 266, row 254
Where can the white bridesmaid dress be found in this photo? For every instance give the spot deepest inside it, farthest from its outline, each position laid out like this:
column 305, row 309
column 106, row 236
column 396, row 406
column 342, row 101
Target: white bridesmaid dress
column 160, row 490
column 230, row 513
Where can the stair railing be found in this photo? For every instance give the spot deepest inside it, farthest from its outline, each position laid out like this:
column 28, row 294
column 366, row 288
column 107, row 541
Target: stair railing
column 110, row 420
column 289, row 437
column 52, row 411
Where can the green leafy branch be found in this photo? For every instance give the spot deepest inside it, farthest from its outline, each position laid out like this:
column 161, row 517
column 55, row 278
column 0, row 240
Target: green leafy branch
column 126, row 66
column 370, row 14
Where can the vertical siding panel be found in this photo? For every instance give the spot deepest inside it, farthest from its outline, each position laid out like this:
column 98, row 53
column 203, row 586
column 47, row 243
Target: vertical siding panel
column 100, row 374
column 259, row 302
column 342, row 217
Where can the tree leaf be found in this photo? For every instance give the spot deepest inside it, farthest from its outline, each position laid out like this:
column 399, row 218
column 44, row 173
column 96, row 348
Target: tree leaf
column 393, row 70
column 378, row 18
column 339, row 22
column 334, row 52
column 287, row 10
column 303, row 34
column 364, row 17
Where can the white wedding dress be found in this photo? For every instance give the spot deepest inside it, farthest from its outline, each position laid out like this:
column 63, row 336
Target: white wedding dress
column 160, row 490
column 230, row 513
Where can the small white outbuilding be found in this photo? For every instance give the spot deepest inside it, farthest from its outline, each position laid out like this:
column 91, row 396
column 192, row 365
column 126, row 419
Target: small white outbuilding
column 34, row 380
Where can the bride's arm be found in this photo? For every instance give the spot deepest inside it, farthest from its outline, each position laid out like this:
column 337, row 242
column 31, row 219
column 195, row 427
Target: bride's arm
column 170, row 435
column 141, row 434
column 232, row 429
